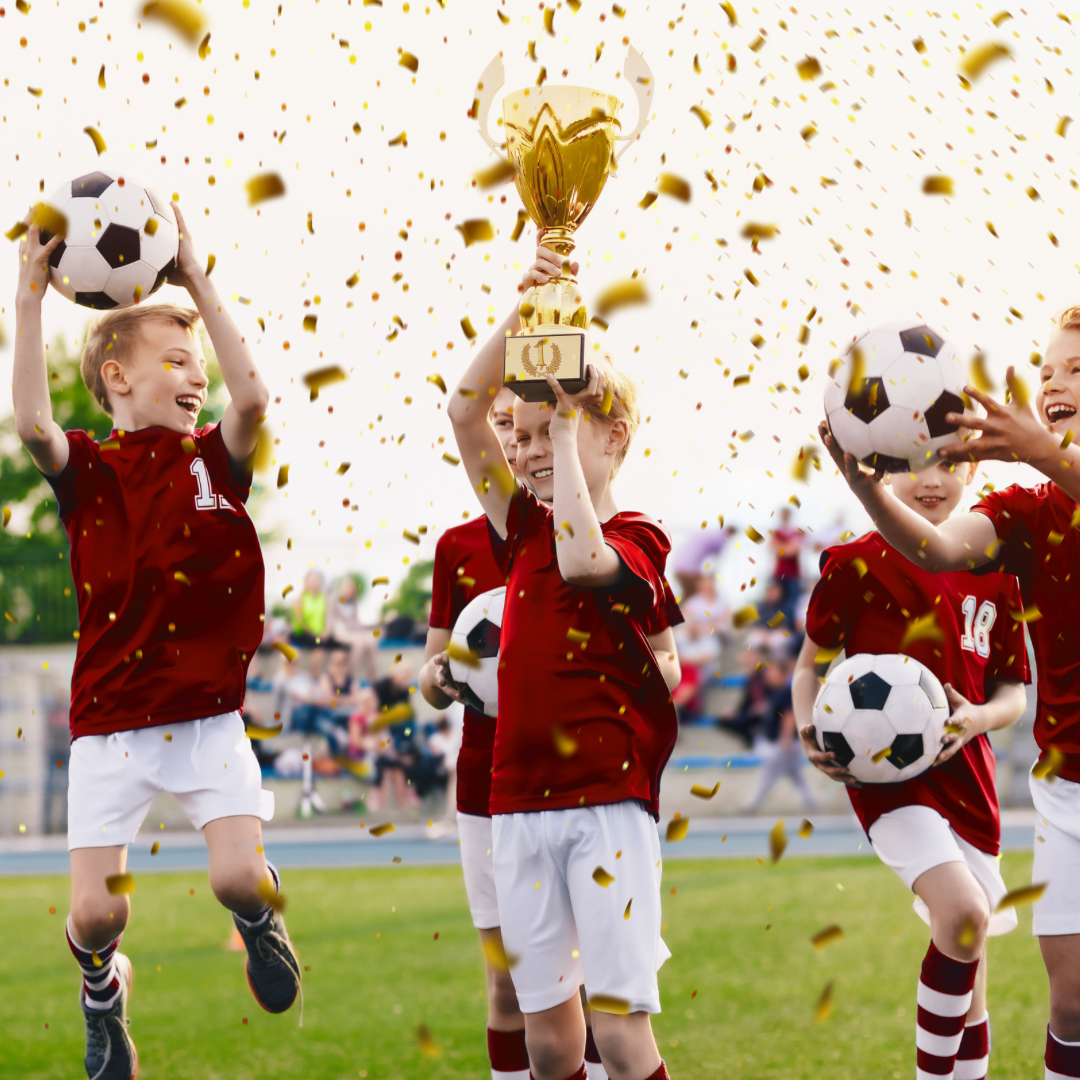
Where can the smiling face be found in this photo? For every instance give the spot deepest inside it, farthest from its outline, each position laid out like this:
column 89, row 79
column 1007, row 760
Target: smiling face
column 933, row 493
column 1058, row 399
column 598, row 442
column 162, row 381
column 502, row 420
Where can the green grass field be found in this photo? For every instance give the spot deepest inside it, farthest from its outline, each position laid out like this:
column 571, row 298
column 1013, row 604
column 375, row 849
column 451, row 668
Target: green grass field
column 739, row 933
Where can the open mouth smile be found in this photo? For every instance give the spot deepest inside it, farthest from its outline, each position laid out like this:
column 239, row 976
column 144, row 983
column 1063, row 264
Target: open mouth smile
column 190, row 403
column 542, row 474
column 930, row 500
column 1059, row 411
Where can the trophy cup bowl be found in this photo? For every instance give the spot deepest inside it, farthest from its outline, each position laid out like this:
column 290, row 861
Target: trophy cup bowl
column 560, row 141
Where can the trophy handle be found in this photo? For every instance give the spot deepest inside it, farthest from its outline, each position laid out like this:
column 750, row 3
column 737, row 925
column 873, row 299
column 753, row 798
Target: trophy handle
column 640, row 77
column 490, row 84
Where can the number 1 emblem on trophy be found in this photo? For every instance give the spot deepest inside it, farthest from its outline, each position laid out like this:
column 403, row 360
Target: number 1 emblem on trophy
column 560, row 142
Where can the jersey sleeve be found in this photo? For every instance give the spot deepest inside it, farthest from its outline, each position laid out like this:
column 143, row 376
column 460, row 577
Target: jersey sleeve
column 642, row 546
column 666, row 614
column 442, row 614
column 214, row 453
column 1008, row 649
column 836, row 599
column 1012, row 512
column 82, row 451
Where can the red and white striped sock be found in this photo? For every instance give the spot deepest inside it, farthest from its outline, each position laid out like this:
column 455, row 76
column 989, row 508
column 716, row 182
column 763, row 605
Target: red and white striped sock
column 101, row 981
column 661, row 1073
column 579, row 1075
column 1062, row 1058
column 594, row 1067
column 509, row 1058
column 944, row 998
column 973, row 1058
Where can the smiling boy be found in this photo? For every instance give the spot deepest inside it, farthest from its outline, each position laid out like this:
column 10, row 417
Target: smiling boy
column 169, row 578
column 1032, row 533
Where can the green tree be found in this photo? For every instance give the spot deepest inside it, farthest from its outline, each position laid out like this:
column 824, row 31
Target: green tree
column 413, row 594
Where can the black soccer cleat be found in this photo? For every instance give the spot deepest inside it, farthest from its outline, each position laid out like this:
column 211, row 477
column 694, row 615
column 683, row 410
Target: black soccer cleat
column 110, row 1053
column 273, row 972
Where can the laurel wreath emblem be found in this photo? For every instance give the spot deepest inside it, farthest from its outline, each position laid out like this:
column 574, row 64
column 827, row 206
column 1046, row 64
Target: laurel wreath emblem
column 541, row 368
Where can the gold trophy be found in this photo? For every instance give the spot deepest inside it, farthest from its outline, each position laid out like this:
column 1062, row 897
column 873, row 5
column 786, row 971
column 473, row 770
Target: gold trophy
column 560, row 141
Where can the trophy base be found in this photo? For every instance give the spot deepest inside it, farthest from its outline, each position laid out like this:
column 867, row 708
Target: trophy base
column 529, row 357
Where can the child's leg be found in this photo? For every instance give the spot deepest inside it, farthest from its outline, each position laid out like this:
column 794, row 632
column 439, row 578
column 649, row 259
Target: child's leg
column 238, row 868
column 1061, row 955
column 973, row 1058
column 96, row 922
column 594, row 1066
column 506, row 1024
column 556, row 1039
column 628, row 1046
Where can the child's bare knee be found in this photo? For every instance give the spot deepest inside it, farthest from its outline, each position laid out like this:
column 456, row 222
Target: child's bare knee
column 95, row 921
column 240, row 887
column 502, row 996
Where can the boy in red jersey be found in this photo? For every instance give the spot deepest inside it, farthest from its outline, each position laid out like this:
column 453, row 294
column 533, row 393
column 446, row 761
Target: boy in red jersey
column 1032, row 533
column 940, row 831
column 169, row 576
column 465, row 568
column 585, row 721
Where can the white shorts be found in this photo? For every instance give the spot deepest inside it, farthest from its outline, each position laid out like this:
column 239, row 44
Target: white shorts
column 207, row 765
column 914, row 839
column 474, row 834
column 559, row 927
column 1057, row 856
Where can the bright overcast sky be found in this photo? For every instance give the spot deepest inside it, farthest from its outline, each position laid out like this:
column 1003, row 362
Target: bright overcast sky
column 839, row 199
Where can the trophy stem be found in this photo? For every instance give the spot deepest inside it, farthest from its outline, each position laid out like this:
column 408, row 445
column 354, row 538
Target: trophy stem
column 560, row 239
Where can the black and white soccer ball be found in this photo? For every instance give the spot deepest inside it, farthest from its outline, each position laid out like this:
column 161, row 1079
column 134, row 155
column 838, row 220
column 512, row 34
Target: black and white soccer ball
column 477, row 629
column 882, row 716
column 894, row 418
column 121, row 243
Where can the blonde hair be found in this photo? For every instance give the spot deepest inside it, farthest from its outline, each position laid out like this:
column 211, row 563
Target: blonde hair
column 115, row 335
column 1069, row 319
column 624, row 401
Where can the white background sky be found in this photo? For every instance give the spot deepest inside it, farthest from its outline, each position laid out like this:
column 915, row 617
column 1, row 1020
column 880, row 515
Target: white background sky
column 893, row 117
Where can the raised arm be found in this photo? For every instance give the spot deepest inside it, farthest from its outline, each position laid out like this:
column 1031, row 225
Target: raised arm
column 481, row 452
column 37, row 430
column 240, row 424
column 962, row 542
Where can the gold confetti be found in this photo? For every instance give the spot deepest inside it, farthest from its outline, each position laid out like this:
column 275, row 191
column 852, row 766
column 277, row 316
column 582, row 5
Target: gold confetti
column 704, row 792
column 978, row 60
column 753, row 534
column 754, row 230
column 269, row 895
column 619, row 295
column 756, row 44
column 407, row 60
column 1000, row 17
column 565, row 746
column 462, row 655
column 602, row 877
column 749, row 275
column 286, row 650
column 991, row 230
column 980, row 378
column 675, row 186
column 607, row 1004
column 1029, row 614
column 19, row 229
column 450, row 459
column 428, row 1046
column 382, row 830
column 881, row 755
column 922, row 628
column 808, row 68
column 676, row 829
column 808, row 132
column 96, row 959
column 647, row 200
column 745, row 616
column 264, row 186
column 179, row 575
column 578, row 636
column 806, row 829
column 120, row 884
column 322, row 377
column 476, row 231
column 96, row 139
column 706, row 119
column 204, row 47
column 311, row 323
column 1048, row 767
column 1021, row 396
column 824, row 1006
column 827, row 656
column 824, row 938
column 155, row 847
column 1062, row 124
column 919, row 45
column 937, row 185
column 777, row 841
column 729, row 11
column 467, row 328
column 1027, row 894
column 519, row 226
column 626, row 913
column 282, row 476
column 496, row 955
column 183, row 17
column 499, row 173
column 254, row 731
column 379, row 581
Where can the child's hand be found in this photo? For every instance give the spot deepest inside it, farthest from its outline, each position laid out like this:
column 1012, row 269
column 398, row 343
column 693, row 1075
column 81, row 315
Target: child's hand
column 824, row 761
column 569, row 407
column 963, row 721
column 187, row 267
column 860, row 481
column 548, row 265
column 443, row 679
column 34, row 262
column 1009, row 432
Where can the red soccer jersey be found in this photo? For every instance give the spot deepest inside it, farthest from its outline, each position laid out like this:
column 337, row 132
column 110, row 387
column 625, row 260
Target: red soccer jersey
column 1041, row 546
column 981, row 643
column 585, row 718
column 169, row 575
column 465, row 568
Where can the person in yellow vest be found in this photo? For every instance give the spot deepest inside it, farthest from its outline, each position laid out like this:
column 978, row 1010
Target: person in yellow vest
column 309, row 615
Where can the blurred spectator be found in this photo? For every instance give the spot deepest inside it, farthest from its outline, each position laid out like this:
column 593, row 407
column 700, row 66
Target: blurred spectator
column 698, row 640
column 698, row 554
column 309, row 617
column 398, row 750
column 344, row 627
column 747, row 719
column 783, row 752
column 57, row 756
column 787, row 542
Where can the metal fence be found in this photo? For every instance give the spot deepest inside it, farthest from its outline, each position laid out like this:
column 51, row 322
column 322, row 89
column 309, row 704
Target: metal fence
column 37, row 598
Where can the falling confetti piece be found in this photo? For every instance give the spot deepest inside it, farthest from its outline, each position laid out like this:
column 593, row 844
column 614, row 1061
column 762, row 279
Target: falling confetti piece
column 1062, row 124
column 96, row 139
column 565, row 746
column 808, row 68
column 101, row 77
column 937, row 185
column 675, row 186
column 120, row 884
column 806, row 829
column 352, row 281
column 745, row 616
column 777, row 841
column 824, row 938
column 496, row 955
column 729, row 11
column 311, row 323
column 881, row 755
column 499, row 173
column 264, row 186
column 407, row 60
column 602, row 877
column 463, row 655
column 282, row 476
column 808, row 132
column 254, row 731
column 978, row 60
column 182, row 17
column 704, row 792
column 1048, row 767
column 706, row 119
column 1000, row 17
column 648, row 199
column 19, row 229
column 922, row 628
column 204, row 47
column 476, row 231
column 1021, row 396
column 96, row 959
column 382, row 830
column 919, row 45
column 676, row 829
column 626, row 913
column 606, row 1004
column 824, row 1006
column 267, row 892
column 155, row 847
column 619, row 295
column 1029, row 614
column 428, row 1046
column 753, row 534
column 467, row 328
column 320, row 378
column 179, row 575
column 749, row 275
column 286, row 650
column 1028, row 894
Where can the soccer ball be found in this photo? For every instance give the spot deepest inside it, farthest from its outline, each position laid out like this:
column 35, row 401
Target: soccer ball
column 908, row 378
column 882, row 716
column 477, row 629
column 121, row 242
